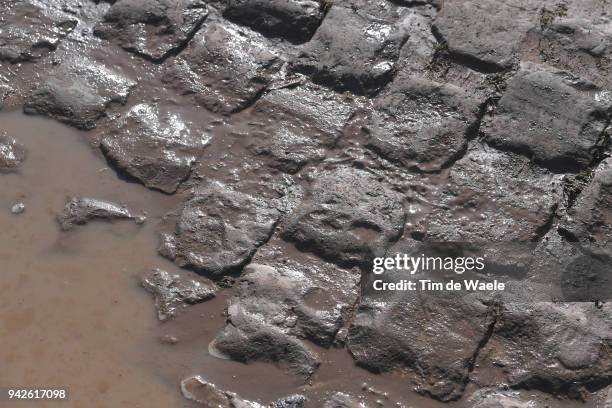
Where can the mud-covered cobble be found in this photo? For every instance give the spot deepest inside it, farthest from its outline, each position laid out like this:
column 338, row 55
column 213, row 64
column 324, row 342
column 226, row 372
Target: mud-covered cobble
column 306, row 137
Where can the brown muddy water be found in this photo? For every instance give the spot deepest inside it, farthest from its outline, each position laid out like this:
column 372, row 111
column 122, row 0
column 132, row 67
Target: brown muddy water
column 73, row 313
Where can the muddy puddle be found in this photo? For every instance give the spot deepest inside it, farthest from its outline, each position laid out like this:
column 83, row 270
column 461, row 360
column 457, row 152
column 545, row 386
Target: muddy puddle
column 73, row 313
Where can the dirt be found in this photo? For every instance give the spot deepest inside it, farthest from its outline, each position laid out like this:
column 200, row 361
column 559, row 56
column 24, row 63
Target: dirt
column 193, row 194
column 75, row 315
column 72, row 311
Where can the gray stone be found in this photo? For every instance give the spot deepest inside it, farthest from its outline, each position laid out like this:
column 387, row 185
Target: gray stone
column 479, row 32
column 292, row 401
column 554, row 347
column 294, row 20
column 405, row 335
column 5, row 92
column 78, row 92
column 173, row 292
column 360, row 58
column 543, row 116
column 12, row 154
column 382, row 10
column 348, row 216
column 342, row 400
column 277, row 297
column 80, row 211
column 156, row 145
column 575, row 36
column 218, row 230
column 238, row 68
column 247, row 340
column 296, row 126
column 588, row 220
column 272, row 304
column 207, row 394
column 421, row 124
column 604, row 399
column 570, row 268
column 488, row 196
column 28, row 33
column 417, row 54
column 492, row 398
column 154, row 29
column 18, row 208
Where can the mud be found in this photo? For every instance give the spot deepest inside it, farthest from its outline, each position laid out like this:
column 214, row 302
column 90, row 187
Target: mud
column 199, row 190
column 72, row 312
column 72, row 302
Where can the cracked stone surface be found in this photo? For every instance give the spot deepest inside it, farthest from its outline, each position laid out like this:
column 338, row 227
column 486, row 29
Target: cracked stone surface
column 268, row 315
column 207, row 394
column 197, row 389
column 347, row 218
column 153, row 29
column 298, row 125
column 589, row 219
column 401, row 336
column 488, row 197
column 342, row 400
column 361, row 58
column 402, row 332
column 294, row 20
column 293, row 141
column 78, row 91
column 604, row 399
column 238, row 68
column 574, row 36
column 560, row 348
column 478, row 31
column 218, row 229
column 422, row 124
column 548, row 118
column 492, row 398
column 28, row 32
column 283, row 303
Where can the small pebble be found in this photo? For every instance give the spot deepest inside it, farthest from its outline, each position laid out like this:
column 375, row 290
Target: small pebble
column 18, row 208
column 169, row 339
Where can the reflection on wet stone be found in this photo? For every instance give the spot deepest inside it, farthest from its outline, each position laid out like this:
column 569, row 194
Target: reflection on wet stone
column 11, row 153
column 78, row 92
column 174, row 291
column 28, row 33
column 156, row 145
column 79, row 211
column 152, row 28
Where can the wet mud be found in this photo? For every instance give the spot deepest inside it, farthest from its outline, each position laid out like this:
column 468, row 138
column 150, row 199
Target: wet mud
column 72, row 310
column 75, row 315
column 193, row 194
